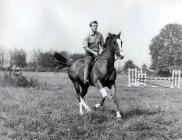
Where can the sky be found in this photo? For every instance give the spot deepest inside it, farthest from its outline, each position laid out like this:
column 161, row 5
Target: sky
column 63, row 24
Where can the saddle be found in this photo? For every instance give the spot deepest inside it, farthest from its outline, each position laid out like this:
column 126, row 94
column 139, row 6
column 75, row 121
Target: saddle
column 93, row 62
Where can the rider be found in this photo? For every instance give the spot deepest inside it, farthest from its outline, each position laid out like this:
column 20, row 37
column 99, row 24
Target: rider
column 91, row 45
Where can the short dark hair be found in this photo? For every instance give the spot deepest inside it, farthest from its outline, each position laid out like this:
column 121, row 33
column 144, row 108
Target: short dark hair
column 93, row 22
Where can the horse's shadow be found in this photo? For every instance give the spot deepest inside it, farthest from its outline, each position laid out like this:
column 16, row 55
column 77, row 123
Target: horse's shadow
column 129, row 113
column 139, row 112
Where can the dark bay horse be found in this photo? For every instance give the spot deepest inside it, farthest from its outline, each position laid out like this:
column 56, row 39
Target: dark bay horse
column 102, row 74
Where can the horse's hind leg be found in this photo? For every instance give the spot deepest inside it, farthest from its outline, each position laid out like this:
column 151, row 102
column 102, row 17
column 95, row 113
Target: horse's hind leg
column 115, row 100
column 83, row 93
column 77, row 88
column 80, row 95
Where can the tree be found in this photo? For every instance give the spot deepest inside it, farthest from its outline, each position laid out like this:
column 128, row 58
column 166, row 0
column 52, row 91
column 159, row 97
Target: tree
column 19, row 58
column 11, row 63
column 76, row 56
column 46, row 59
column 35, row 59
column 144, row 67
column 2, row 53
column 129, row 64
column 164, row 46
column 65, row 54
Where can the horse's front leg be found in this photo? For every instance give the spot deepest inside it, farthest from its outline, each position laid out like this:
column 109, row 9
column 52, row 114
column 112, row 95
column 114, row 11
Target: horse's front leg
column 115, row 100
column 103, row 92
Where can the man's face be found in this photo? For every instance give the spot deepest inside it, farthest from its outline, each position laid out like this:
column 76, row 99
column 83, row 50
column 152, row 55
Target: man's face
column 94, row 27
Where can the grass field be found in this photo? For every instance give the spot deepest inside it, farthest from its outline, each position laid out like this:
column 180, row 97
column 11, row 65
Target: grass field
column 51, row 113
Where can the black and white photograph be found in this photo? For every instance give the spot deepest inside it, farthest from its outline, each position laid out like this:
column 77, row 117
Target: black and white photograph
column 90, row 69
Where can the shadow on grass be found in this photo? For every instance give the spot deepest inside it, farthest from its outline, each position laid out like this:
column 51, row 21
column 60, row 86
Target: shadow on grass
column 94, row 124
column 88, row 126
column 102, row 124
column 130, row 113
column 139, row 112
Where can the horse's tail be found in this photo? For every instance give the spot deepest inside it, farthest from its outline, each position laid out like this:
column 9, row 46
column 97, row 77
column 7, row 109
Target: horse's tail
column 61, row 62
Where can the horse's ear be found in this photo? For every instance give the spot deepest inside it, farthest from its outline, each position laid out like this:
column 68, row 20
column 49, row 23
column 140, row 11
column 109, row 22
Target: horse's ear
column 109, row 34
column 118, row 36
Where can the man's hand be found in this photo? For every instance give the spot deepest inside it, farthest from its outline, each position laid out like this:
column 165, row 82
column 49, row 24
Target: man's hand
column 91, row 51
column 96, row 53
column 122, row 57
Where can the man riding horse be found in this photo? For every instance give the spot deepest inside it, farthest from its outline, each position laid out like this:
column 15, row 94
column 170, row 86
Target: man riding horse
column 92, row 44
column 103, row 73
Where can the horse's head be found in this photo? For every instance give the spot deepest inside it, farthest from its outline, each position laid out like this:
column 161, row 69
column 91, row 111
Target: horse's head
column 115, row 44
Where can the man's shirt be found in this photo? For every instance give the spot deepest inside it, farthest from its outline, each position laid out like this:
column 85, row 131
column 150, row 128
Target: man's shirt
column 93, row 41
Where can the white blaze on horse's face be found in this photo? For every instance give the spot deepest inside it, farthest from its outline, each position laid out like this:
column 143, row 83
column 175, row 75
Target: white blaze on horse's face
column 120, row 47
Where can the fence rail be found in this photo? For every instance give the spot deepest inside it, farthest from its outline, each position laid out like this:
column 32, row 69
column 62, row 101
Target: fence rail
column 138, row 78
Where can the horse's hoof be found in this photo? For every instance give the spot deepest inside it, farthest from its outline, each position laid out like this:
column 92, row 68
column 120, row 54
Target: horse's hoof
column 97, row 105
column 118, row 115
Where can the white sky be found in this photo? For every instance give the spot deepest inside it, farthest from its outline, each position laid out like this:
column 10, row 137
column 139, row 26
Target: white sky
column 62, row 24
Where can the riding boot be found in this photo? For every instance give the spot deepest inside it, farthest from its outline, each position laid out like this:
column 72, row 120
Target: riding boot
column 86, row 74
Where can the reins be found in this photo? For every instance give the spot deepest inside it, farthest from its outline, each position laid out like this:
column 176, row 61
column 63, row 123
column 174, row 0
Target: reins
column 100, row 56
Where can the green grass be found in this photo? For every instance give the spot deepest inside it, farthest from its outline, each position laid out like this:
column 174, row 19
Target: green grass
column 52, row 113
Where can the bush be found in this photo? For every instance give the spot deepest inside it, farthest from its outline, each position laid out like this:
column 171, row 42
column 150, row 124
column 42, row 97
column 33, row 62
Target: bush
column 7, row 80
column 164, row 73
column 33, row 82
column 22, row 82
column 129, row 64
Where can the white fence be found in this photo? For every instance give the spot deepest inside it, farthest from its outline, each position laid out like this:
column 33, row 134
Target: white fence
column 138, row 78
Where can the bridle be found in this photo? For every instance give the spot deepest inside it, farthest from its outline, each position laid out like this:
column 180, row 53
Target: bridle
column 119, row 50
column 113, row 50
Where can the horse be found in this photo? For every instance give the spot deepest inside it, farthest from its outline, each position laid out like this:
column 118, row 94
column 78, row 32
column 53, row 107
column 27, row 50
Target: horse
column 102, row 74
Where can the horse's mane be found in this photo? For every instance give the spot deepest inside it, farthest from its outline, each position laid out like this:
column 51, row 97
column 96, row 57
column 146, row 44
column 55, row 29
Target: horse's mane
column 108, row 39
column 106, row 42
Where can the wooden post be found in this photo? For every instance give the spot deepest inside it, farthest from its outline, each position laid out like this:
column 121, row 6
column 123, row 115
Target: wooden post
column 172, row 79
column 135, row 77
column 175, row 76
column 179, row 74
column 129, row 76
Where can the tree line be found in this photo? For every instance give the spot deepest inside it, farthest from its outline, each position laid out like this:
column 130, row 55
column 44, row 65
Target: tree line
column 39, row 60
column 166, row 48
column 165, row 51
